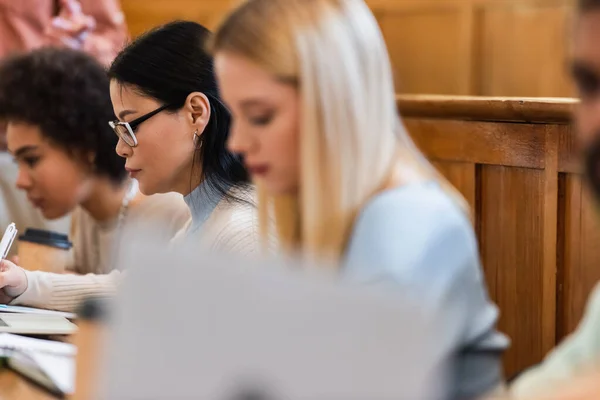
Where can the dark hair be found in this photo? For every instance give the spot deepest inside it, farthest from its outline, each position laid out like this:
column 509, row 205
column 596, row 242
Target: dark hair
column 66, row 94
column 167, row 64
column 588, row 5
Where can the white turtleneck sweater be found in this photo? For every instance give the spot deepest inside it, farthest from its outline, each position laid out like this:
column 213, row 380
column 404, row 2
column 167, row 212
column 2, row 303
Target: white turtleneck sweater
column 216, row 222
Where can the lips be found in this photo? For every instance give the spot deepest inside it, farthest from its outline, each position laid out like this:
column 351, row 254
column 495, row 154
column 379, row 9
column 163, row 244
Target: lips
column 133, row 172
column 37, row 203
column 258, row 169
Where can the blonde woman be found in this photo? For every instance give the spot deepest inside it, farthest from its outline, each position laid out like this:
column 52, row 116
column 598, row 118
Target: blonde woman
column 310, row 88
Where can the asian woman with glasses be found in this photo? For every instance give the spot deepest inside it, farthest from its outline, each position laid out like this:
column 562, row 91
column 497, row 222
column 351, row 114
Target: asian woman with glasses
column 173, row 129
column 57, row 103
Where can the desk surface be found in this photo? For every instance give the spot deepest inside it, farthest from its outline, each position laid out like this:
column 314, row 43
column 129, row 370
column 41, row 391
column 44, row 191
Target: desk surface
column 15, row 387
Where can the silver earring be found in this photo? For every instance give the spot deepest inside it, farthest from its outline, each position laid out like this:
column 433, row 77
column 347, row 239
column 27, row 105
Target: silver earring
column 197, row 141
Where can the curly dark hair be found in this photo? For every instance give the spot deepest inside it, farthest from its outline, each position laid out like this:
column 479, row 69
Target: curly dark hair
column 588, row 5
column 66, row 93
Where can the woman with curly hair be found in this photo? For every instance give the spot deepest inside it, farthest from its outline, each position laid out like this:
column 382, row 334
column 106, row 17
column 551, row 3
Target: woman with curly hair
column 57, row 104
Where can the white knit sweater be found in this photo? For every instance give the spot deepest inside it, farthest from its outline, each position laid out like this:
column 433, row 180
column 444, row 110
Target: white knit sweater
column 216, row 223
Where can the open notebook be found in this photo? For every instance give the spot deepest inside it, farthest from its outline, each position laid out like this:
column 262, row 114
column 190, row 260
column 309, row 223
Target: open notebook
column 50, row 364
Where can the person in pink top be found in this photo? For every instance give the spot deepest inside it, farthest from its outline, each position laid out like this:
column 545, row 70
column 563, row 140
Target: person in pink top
column 94, row 26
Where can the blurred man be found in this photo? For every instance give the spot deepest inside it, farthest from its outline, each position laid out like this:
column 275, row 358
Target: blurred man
column 579, row 353
column 95, row 26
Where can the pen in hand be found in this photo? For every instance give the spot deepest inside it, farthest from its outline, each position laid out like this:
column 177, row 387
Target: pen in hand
column 7, row 240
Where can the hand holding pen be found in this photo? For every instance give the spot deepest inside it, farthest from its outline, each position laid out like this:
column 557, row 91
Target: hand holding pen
column 13, row 280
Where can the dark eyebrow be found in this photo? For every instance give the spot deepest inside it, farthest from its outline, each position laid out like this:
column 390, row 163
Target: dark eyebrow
column 23, row 150
column 125, row 113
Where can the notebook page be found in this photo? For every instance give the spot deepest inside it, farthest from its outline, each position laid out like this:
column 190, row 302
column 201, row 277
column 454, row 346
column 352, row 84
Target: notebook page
column 5, row 308
column 23, row 343
column 59, row 368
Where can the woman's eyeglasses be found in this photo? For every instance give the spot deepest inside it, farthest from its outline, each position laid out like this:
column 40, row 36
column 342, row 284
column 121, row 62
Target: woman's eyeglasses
column 126, row 130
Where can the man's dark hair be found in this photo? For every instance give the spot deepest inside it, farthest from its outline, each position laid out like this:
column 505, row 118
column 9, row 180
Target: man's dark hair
column 588, row 5
column 65, row 93
column 167, row 64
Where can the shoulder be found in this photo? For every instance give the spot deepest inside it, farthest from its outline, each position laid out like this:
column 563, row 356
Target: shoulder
column 423, row 202
column 416, row 237
column 234, row 226
column 403, row 227
column 243, row 209
column 233, row 222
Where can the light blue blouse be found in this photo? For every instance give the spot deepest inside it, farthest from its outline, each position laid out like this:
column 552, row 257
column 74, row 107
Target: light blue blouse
column 417, row 239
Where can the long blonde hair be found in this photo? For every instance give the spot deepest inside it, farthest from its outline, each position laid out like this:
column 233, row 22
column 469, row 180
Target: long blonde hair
column 351, row 137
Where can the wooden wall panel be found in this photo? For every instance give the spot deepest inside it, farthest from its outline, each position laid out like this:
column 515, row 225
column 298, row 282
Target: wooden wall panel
column 417, row 49
column 524, row 50
column 512, row 255
column 145, row 14
column 477, row 47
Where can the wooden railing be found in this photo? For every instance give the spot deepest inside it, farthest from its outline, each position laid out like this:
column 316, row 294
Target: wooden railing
column 516, row 162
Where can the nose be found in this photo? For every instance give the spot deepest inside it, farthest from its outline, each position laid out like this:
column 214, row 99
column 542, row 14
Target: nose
column 24, row 181
column 123, row 149
column 239, row 141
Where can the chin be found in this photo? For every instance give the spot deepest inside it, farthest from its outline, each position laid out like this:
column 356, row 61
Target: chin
column 146, row 188
column 277, row 188
column 52, row 214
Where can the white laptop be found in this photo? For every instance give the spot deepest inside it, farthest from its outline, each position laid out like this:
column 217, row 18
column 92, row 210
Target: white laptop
column 36, row 324
column 224, row 328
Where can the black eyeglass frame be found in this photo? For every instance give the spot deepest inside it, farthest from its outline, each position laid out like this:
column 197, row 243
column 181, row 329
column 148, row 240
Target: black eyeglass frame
column 130, row 127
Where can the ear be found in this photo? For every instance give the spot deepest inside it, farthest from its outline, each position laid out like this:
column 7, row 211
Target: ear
column 87, row 159
column 197, row 108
